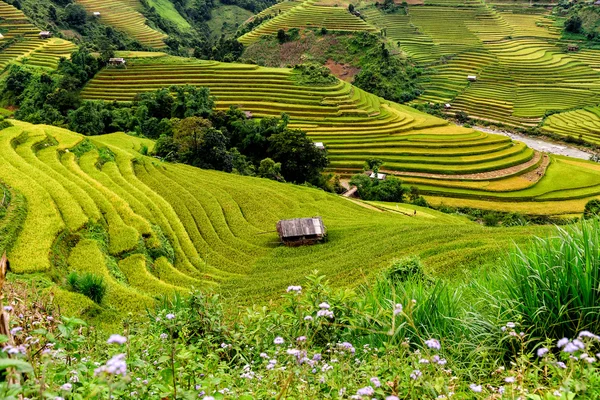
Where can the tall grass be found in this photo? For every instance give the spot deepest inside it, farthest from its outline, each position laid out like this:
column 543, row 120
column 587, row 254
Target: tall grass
column 553, row 286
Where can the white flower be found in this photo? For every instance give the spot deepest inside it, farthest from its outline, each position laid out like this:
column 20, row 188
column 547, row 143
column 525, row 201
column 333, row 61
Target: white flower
column 66, row 387
column 170, row 316
column 433, row 344
column 296, row 289
column 562, row 342
column 118, row 339
column 325, row 313
column 416, row 374
column 541, row 352
column 398, row 309
column 366, row 391
column 375, row 381
column 510, row 379
column 324, row 305
column 278, row 340
column 308, row 318
column 392, row 398
column 114, row 366
column 15, row 330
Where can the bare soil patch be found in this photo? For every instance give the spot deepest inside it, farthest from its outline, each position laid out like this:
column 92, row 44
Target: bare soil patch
column 345, row 72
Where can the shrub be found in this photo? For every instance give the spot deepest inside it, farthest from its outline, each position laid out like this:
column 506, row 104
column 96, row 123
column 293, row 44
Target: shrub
column 88, row 284
column 592, row 209
column 407, row 268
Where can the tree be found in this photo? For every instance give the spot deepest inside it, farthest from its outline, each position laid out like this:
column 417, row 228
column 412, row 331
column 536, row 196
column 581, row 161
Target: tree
column 271, row 170
column 300, row 160
column 87, row 119
column 75, row 15
column 573, row 24
column 373, row 164
column 17, row 80
column 188, row 133
column 592, row 209
column 351, row 7
column 281, row 36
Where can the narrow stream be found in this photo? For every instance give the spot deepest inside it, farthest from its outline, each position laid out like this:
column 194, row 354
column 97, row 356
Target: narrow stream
column 541, row 145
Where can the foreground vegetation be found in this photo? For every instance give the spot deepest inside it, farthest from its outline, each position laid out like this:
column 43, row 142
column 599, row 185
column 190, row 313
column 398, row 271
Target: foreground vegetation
column 403, row 335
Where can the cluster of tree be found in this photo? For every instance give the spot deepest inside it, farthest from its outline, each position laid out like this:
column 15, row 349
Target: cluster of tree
column 390, row 6
column 49, row 97
column 288, row 36
column 227, row 50
column 232, row 141
column 370, row 187
column 582, row 19
column 391, row 77
column 313, row 75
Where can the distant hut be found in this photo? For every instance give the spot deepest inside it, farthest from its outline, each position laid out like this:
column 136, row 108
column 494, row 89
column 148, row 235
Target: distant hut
column 379, row 175
column 1, row 36
column 96, row 14
column 45, row 34
column 573, row 47
column 447, row 106
column 301, row 231
column 248, row 114
column 471, row 78
column 118, row 61
column 320, row 145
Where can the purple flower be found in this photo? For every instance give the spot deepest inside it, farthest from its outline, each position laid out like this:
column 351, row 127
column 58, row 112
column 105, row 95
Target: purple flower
column 416, row 374
column 347, row 346
column 278, row 340
column 589, row 335
column 475, row 388
column 164, row 336
column 295, row 289
column 8, row 308
column 561, row 364
column 510, row 379
column 114, row 366
column 433, row 344
column 375, row 381
column 308, row 318
column 398, row 309
column 325, row 313
column 366, row 391
column 118, row 339
column 15, row 330
column 170, row 316
column 392, row 398
column 324, row 305
column 66, row 387
column 562, row 342
column 542, row 351
column 301, row 339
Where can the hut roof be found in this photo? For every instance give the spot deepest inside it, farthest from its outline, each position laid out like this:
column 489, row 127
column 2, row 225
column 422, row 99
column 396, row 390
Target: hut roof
column 319, row 145
column 45, row 33
column 379, row 176
column 298, row 227
column 472, row 77
column 117, row 60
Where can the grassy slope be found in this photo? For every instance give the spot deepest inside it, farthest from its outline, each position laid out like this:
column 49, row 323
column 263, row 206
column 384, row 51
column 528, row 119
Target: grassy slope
column 167, row 11
column 225, row 20
column 221, row 226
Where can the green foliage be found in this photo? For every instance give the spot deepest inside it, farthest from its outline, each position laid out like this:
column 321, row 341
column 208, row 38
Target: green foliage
column 314, row 75
column 592, row 209
column 88, row 284
column 389, row 189
column 406, row 269
column 270, row 169
column 552, row 286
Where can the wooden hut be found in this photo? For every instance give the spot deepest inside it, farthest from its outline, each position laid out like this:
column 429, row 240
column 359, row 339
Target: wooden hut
column 379, row 175
column 471, row 78
column 45, row 34
column 96, row 14
column 118, row 61
column 447, row 106
column 572, row 47
column 320, row 145
column 301, row 231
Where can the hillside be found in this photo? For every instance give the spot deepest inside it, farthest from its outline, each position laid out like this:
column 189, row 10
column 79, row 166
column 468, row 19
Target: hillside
column 523, row 68
column 152, row 228
column 441, row 158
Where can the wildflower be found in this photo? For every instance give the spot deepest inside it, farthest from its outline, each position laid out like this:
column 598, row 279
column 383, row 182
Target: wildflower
column 588, row 334
column 264, row 355
column 66, row 387
column 15, row 330
column 208, row 398
column 398, row 309
column 293, row 352
column 278, row 340
column 317, row 357
column 442, row 361
column 114, row 366
column 347, row 346
column 562, row 342
column 59, row 398
column 375, row 381
column 118, row 339
column 308, row 318
column 170, row 316
column 501, row 390
column 8, row 308
column 572, row 347
column 164, row 336
column 416, row 374
column 325, row 313
column 324, row 305
column 326, row 367
column 433, row 344
column 225, row 345
column 475, row 388
column 366, row 391
column 295, row 289
column 561, row 364
column 392, row 398
column 541, row 352
column 423, row 361
column 510, row 379
column 510, row 325
column 301, row 339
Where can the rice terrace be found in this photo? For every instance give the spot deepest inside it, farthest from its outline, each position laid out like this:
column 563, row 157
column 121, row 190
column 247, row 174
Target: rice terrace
column 299, row 199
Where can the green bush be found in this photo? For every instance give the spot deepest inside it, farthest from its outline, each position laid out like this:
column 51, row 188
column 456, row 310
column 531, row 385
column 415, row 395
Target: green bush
column 88, row 284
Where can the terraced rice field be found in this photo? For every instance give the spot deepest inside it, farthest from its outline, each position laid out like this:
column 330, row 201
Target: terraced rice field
column 218, row 227
column 441, row 158
column 26, row 46
column 583, row 123
column 513, row 49
column 307, row 14
column 124, row 16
